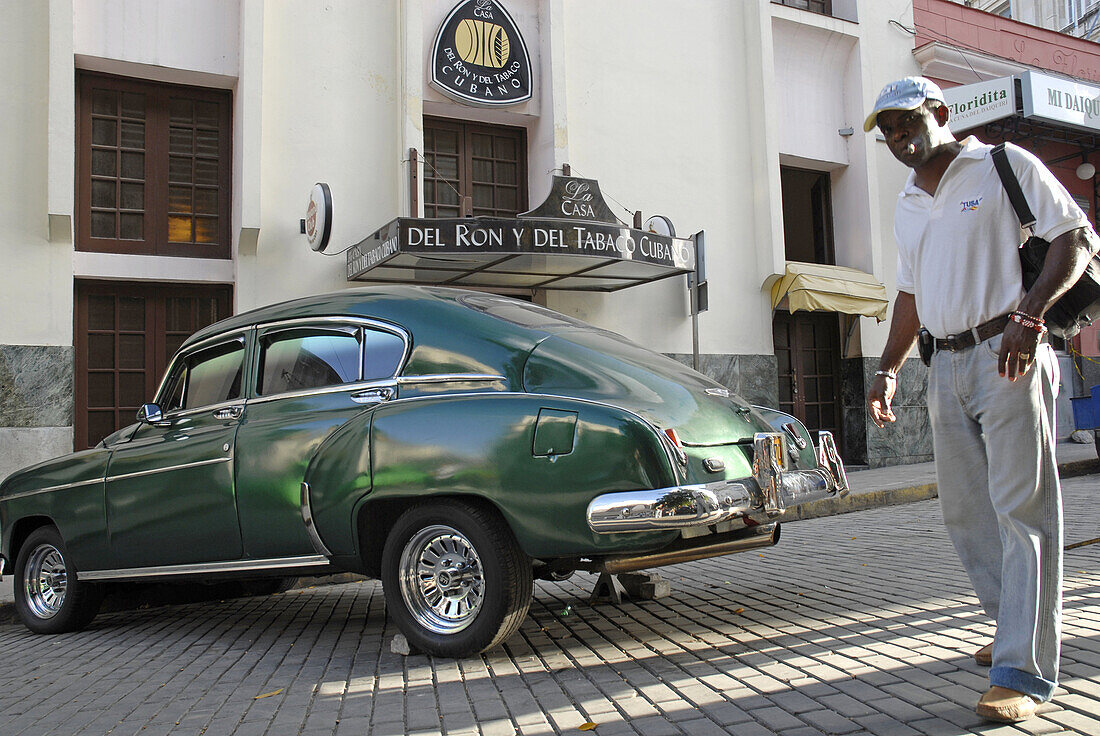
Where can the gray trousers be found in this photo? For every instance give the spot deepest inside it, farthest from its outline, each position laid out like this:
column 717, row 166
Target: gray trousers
column 1002, row 505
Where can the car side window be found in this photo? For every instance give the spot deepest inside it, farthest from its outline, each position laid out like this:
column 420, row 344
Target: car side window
column 302, row 359
column 209, row 376
column 382, row 353
column 214, row 375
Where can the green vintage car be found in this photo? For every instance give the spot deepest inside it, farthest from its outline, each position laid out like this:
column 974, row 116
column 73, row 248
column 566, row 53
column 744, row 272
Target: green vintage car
column 454, row 444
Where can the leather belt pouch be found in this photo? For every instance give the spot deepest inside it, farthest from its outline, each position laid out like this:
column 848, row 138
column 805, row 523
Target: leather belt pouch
column 926, row 345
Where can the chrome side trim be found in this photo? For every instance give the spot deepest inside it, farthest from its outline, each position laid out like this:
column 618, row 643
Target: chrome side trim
column 450, row 378
column 49, row 489
column 338, row 388
column 177, row 414
column 205, row 567
column 311, row 530
column 229, row 412
column 373, row 396
column 169, row 468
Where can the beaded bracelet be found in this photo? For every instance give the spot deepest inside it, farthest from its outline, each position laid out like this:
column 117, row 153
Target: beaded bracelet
column 1026, row 320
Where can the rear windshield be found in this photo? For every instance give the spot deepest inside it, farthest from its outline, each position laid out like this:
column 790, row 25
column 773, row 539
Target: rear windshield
column 524, row 314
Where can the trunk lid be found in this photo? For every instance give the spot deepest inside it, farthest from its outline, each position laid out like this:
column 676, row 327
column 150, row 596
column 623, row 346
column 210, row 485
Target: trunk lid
column 602, row 366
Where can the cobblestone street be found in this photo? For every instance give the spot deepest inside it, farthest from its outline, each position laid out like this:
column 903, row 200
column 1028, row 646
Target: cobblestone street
column 862, row 623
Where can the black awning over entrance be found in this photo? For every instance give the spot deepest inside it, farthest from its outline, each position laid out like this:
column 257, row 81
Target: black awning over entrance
column 528, row 252
column 572, row 241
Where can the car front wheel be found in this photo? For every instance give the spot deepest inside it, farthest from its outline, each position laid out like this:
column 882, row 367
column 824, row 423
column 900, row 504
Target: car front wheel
column 48, row 597
column 456, row 581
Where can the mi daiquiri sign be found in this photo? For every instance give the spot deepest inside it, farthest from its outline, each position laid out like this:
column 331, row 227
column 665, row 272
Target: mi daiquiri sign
column 1061, row 101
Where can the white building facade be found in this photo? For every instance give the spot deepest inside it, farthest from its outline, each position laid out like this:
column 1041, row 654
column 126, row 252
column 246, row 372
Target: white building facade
column 161, row 154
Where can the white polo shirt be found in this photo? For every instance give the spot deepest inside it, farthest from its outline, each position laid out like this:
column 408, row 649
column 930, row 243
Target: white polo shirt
column 958, row 251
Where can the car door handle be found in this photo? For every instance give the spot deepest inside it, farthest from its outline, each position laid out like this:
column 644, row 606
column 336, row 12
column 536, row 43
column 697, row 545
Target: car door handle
column 229, row 412
column 373, row 395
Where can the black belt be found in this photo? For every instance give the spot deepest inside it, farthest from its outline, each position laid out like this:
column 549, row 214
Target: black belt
column 975, row 335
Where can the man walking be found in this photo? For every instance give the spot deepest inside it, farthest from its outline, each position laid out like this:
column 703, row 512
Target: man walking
column 993, row 378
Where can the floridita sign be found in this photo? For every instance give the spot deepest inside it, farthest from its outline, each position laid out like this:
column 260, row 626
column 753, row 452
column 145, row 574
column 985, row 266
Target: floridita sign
column 479, row 56
column 972, row 105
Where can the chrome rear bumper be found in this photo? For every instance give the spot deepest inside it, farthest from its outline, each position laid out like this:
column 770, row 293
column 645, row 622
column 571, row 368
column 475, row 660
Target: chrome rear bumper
column 769, row 491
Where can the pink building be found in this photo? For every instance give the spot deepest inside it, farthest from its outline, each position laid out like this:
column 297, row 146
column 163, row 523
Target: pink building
column 1039, row 89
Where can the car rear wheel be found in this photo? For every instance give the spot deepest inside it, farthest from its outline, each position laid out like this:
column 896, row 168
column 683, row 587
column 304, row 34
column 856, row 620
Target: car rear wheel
column 455, row 579
column 48, row 597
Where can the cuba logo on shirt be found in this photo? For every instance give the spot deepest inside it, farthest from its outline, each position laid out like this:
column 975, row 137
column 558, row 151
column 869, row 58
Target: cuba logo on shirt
column 970, row 205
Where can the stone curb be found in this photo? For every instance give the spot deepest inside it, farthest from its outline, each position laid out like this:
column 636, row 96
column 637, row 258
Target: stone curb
column 816, row 509
column 908, row 494
column 860, row 502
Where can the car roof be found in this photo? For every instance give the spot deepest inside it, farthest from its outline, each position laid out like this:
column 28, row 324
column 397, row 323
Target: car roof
column 445, row 331
column 349, row 302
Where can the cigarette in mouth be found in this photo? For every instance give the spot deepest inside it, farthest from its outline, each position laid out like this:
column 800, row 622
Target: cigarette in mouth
column 910, row 149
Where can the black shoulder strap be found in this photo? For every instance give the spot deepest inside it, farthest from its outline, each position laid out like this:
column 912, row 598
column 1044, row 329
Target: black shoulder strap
column 1012, row 186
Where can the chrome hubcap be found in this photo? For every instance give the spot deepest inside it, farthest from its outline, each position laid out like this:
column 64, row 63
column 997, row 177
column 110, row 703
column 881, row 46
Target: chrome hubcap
column 45, row 581
column 441, row 579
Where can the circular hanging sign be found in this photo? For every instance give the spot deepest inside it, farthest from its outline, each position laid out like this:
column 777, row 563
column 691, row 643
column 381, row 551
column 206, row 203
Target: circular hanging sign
column 660, row 225
column 319, row 217
column 479, row 56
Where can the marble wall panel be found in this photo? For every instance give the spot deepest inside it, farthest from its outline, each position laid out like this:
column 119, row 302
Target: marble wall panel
column 853, row 447
column 20, row 447
column 1090, row 373
column 909, row 439
column 759, row 379
column 853, row 443
column 36, row 386
column 753, row 377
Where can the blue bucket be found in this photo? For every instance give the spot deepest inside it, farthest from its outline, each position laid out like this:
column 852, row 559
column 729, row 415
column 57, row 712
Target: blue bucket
column 1086, row 410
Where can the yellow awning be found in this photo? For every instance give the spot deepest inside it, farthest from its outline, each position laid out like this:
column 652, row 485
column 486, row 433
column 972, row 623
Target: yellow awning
column 818, row 288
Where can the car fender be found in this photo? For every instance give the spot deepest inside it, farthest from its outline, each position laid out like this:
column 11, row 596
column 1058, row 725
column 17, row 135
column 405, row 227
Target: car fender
column 66, row 492
column 801, row 455
column 538, row 459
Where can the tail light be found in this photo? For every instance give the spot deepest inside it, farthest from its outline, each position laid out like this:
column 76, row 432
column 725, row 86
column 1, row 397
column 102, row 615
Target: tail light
column 677, row 446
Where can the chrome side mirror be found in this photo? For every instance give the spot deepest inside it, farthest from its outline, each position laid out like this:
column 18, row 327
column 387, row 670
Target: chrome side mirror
column 149, row 414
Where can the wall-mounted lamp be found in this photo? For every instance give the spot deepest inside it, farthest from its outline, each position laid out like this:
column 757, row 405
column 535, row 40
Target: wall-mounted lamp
column 1086, row 171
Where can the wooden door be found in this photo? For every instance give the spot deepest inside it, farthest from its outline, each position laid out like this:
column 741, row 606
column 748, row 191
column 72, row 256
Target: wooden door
column 125, row 334
column 807, row 349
